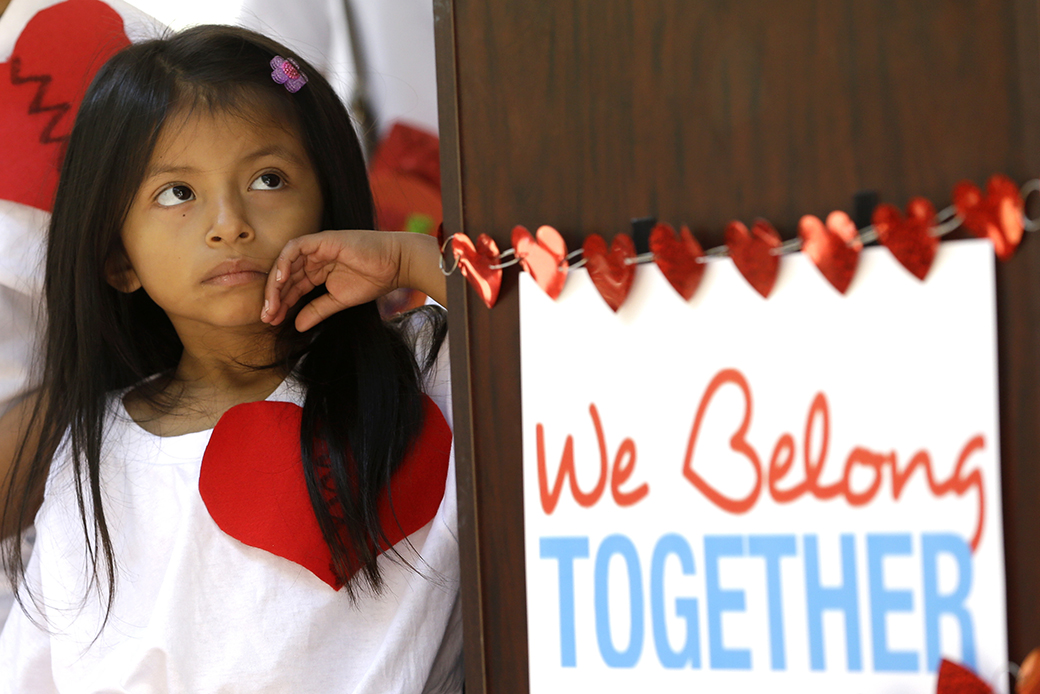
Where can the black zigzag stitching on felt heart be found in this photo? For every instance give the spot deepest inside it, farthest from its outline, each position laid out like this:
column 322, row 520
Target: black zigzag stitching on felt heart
column 36, row 106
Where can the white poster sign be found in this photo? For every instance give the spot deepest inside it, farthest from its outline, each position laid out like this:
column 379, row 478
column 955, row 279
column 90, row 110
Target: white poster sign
column 799, row 493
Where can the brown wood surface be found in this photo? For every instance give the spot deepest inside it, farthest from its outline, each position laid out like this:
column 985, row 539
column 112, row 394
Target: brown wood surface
column 584, row 115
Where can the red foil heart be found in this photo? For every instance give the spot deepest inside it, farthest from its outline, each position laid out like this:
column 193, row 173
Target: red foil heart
column 751, row 252
column 834, row 248
column 957, row 679
column 676, row 257
column 478, row 265
column 608, row 270
column 543, row 256
column 908, row 239
column 41, row 87
column 997, row 217
column 253, row 485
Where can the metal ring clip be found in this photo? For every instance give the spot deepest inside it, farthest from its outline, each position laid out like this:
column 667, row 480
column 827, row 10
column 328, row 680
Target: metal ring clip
column 946, row 221
column 508, row 252
column 1028, row 189
column 789, row 246
column 440, row 261
column 866, row 235
column 642, row 258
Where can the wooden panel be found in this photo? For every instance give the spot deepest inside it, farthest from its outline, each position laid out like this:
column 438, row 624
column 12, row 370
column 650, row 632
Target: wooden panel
column 462, row 404
column 585, row 114
column 1018, row 311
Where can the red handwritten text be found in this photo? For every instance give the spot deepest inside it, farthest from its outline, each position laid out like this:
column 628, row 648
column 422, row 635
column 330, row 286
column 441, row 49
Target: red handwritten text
column 624, row 466
column 782, row 460
column 771, row 478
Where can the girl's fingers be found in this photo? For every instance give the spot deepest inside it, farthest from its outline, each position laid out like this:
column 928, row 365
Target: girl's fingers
column 308, row 261
column 303, row 281
column 291, row 290
column 289, row 279
column 317, row 311
column 297, row 291
column 271, row 295
column 291, row 293
column 276, row 280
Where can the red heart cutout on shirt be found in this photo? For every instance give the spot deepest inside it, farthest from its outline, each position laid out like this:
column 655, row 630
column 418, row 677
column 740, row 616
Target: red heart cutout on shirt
column 676, row 257
column 997, row 217
column 751, row 252
column 41, row 87
column 834, row 248
column 253, row 485
column 478, row 265
column 908, row 239
column 543, row 256
column 608, row 270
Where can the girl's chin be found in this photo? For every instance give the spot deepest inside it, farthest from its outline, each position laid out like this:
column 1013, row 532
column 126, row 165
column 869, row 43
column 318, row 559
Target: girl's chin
column 246, row 320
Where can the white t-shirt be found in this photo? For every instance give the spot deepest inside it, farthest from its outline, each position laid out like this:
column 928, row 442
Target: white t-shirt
column 197, row 611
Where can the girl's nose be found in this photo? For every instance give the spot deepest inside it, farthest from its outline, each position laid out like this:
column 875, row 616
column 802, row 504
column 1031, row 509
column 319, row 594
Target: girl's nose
column 229, row 226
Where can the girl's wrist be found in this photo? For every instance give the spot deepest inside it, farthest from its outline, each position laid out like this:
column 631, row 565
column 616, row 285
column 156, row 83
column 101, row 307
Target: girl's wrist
column 420, row 269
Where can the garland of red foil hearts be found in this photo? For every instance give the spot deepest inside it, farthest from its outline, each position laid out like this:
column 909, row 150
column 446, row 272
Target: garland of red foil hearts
column 833, row 246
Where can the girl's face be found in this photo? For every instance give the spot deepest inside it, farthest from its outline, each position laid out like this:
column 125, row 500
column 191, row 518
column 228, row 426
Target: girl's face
column 220, row 198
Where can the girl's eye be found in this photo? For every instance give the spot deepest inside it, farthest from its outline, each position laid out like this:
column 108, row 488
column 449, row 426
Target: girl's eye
column 267, row 181
column 175, row 195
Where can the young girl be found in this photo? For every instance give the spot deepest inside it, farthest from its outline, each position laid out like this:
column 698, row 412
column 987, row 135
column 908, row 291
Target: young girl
column 234, row 493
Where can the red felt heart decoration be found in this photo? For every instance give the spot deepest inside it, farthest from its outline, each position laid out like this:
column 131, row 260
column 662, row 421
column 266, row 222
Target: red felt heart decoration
column 253, row 485
column 997, row 217
column 828, row 246
column 677, row 258
column 41, row 87
column 478, row 265
column 909, row 240
column 544, row 256
column 957, row 679
column 751, row 253
column 608, row 270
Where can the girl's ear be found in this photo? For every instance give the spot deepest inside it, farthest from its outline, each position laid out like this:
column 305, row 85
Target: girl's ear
column 120, row 274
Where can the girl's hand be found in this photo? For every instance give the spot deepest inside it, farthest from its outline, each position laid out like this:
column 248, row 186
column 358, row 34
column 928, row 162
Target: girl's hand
column 355, row 266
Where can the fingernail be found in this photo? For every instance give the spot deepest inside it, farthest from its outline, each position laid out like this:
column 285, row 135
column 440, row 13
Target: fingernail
column 267, row 305
column 278, row 275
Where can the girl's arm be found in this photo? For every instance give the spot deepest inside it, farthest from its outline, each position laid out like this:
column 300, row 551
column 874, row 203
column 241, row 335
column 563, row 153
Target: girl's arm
column 14, row 426
column 355, row 266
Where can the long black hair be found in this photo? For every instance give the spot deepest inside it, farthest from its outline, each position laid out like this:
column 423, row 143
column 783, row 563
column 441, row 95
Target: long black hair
column 363, row 398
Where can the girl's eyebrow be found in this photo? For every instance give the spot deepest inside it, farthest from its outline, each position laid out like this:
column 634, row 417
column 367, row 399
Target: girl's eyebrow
column 158, row 169
column 275, row 151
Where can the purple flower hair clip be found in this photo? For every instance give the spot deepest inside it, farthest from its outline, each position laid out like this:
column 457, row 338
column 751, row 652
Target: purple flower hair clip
column 287, row 72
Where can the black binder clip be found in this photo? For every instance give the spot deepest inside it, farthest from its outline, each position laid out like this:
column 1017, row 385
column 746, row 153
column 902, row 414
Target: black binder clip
column 641, row 229
column 863, row 204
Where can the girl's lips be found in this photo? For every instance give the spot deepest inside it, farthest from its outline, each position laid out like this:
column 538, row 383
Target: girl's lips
column 232, row 273
column 233, row 279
